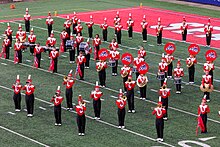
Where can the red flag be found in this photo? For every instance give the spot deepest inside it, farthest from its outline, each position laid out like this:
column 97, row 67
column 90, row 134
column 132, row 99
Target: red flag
column 79, row 70
column 51, row 68
column 16, row 57
column 200, row 125
column 35, row 62
column 61, row 46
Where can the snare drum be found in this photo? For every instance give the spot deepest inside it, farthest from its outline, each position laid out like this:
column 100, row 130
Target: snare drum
column 83, row 46
column 112, row 63
column 160, row 76
column 177, row 80
column 134, row 69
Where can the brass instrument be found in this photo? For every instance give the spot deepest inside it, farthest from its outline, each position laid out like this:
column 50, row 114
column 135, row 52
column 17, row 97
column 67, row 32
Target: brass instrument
column 124, row 98
column 142, row 84
column 124, row 74
column 100, row 68
column 207, row 88
column 168, row 62
column 65, row 78
column 190, row 64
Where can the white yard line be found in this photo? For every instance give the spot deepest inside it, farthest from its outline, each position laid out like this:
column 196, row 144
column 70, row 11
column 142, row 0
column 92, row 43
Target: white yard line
column 42, row 108
column 3, row 63
column 115, row 97
column 64, row 56
column 11, row 113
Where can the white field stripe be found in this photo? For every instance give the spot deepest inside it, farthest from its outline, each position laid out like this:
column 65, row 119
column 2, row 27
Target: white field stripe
column 25, row 110
column 64, row 56
column 28, row 61
column 115, row 97
column 32, row 140
column 11, row 113
column 90, row 117
column 116, row 91
column 3, row 63
column 102, row 99
column 153, row 90
column 42, row 108
column 87, row 101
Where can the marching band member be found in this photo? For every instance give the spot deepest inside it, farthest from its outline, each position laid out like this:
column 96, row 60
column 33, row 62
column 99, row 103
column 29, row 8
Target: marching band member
column 49, row 23
column 129, row 84
column 169, row 60
column 96, row 43
column 191, row 61
column 116, row 20
column 210, row 66
column 178, row 74
column 114, row 55
column 17, row 94
column 51, row 41
column 208, row 31
column 164, row 92
column 207, row 83
column 159, row 111
column 90, row 24
column 79, row 27
column 137, row 61
column 64, row 37
column 104, row 27
column 203, row 110
column 96, row 96
column 27, row 18
column 81, row 118
column 81, row 60
column 75, row 21
column 8, row 33
column 142, row 52
column 162, row 70
column 142, row 84
column 130, row 24
column 118, row 28
column 79, row 39
column 54, row 54
column 67, row 24
column 37, row 55
column 88, row 51
column 6, row 46
column 32, row 40
column 29, row 96
column 69, row 82
column 121, row 103
column 57, row 100
column 100, row 67
column 113, row 45
column 183, row 29
column 71, row 45
column 21, row 35
column 18, row 52
column 144, row 26
column 159, row 30
column 125, row 71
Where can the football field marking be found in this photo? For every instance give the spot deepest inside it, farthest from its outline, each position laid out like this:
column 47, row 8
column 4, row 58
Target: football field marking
column 3, row 63
column 42, row 108
column 90, row 117
column 11, row 113
column 207, row 138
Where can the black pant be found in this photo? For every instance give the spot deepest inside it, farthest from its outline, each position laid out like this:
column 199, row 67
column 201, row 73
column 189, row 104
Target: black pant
column 69, row 97
column 29, row 103
column 102, row 77
column 130, row 98
column 19, row 56
column 7, row 51
column 178, row 87
column 87, row 60
column 121, row 117
column 38, row 56
column 90, row 30
column 211, row 74
column 204, row 119
column 130, row 32
column 72, row 54
column 170, row 69
column 114, row 69
column 159, row 38
column 143, row 91
column 144, row 34
column 165, row 104
column 207, row 95
column 137, row 74
column 97, row 51
column 57, row 113
column 10, row 38
column 74, row 25
column 105, row 34
column 124, row 80
column 119, row 37
column 55, row 64
column 68, row 32
column 32, row 47
column 82, row 66
column 49, row 28
column 159, row 126
column 27, row 25
column 97, row 107
column 191, row 71
column 64, row 44
column 77, row 47
column 81, row 122
column 208, row 38
column 17, row 100
column 184, row 34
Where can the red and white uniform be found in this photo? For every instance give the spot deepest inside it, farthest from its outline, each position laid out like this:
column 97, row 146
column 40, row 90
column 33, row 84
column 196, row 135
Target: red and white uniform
column 75, row 20
column 159, row 112
column 203, row 109
column 116, row 20
column 27, row 17
column 54, row 54
column 125, row 69
column 64, row 35
column 104, row 26
column 209, row 66
column 178, row 72
column 130, row 85
column 21, row 34
column 90, row 24
column 163, row 67
column 189, row 59
column 142, row 79
column 130, row 23
column 96, row 95
column 17, row 46
column 206, row 79
column 38, row 50
column 6, row 42
column 81, row 60
column 118, row 27
column 57, row 100
column 78, row 28
column 49, row 21
column 208, row 29
column 51, row 41
column 17, row 88
column 29, row 89
column 114, row 55
column 144, row 25
column 69, row 83
column 169, row 58
column 101, row 64
column 67, row 24
column 96, row 42
column 8, row 31
column 137, row 61
column 31, row 38
column 121, row 103
column 164, row 93
column 80, row 110
column 184, row 26
column 159, row 29
column 113, row 45
column 143, row 53
column 79, row 39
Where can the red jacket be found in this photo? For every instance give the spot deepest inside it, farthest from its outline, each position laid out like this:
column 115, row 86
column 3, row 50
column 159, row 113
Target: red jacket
column 80, row 110
column 29, row 89
column 203, row 109
column 57, row 100
column 164, row 93
column 17, row 88
column 17, row 46
column 159, row 112
column 81, row 60
column 96, row 95
column 130, row 85
column 121, row 103
column 69, row 84
column 31, row 38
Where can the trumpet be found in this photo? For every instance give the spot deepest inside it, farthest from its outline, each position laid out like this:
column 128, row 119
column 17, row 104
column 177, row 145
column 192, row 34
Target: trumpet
column 124, row 98
column 65, row 78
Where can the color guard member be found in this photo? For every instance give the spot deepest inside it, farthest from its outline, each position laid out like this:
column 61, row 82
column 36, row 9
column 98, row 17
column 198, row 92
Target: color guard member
column 81, row 60
column 54, row 54
column 96, row 43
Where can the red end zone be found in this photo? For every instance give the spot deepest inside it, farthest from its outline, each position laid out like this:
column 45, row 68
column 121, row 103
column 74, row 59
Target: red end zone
column 169, row 19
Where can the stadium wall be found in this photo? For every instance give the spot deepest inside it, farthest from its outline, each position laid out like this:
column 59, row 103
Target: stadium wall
column 211, row 2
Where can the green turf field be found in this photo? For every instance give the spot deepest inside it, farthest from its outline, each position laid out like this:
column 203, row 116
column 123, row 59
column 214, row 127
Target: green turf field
column 140, row 129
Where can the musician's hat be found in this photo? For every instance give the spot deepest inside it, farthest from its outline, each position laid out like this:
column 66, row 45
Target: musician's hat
column 19, row 26
column 130, row 15
column 8, row 25
column 32, row 29
column 80, row 96
column 117, row 14
column 159, row 101
column 178, row 62
column 58, row 90
column 29, row 79
column 209, row 20
column 144, row 17
column 159, row 19
column 120, row 93
column 70, row 73
column 184, row 18
column 26, row 10
column 74, row 13
column 204, row 99
column 105, row 19
column 71, row 34
column 67, row 17
column 97, row 86
column 165, row 82
column 49, row 14
column 91, row 17
column 18, row 79
column 79, row 21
